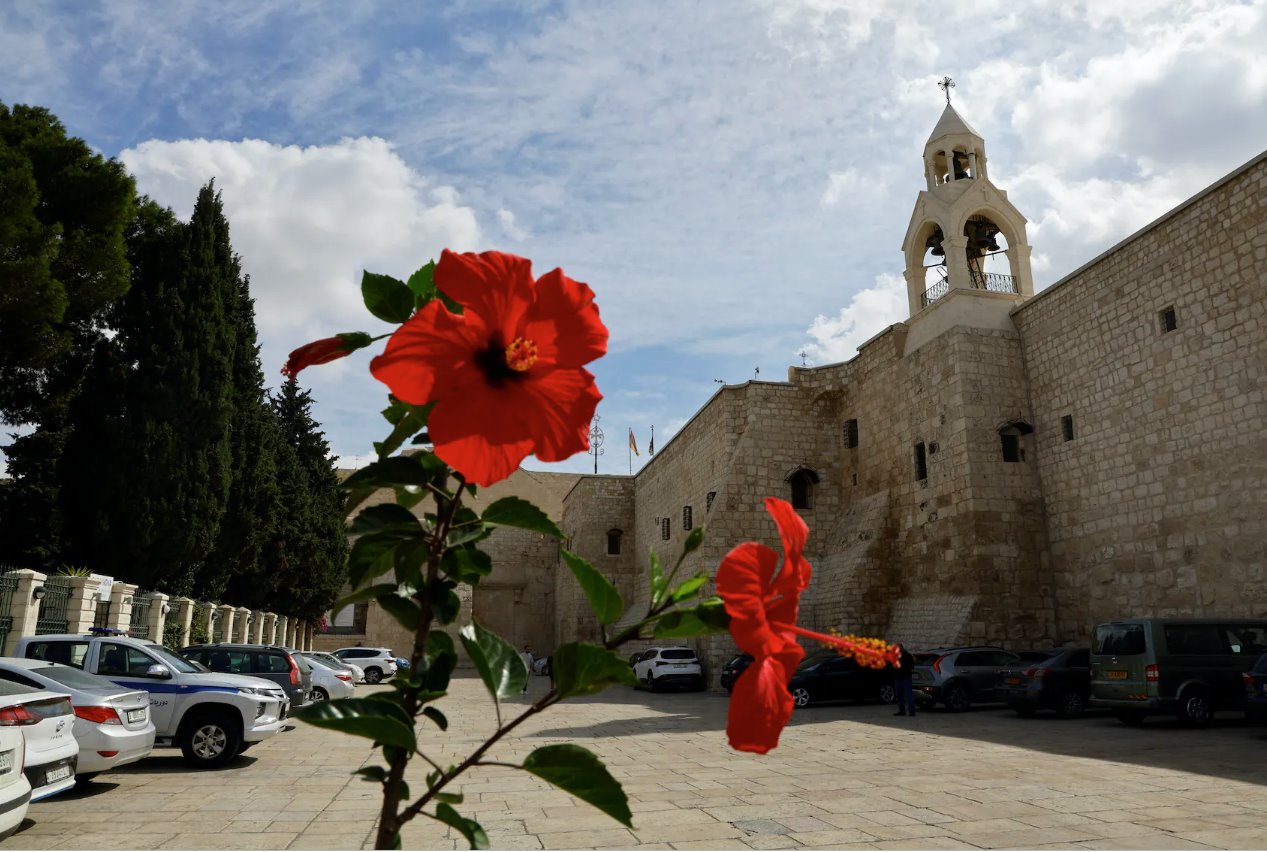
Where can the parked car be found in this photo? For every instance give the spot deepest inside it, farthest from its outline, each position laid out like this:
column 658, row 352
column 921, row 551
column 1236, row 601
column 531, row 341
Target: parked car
column 15, row 789
column 1255, row 681
column 328, row 682
column 959, row 677
column 734, row 667
column 827, row 676
column 211, row 717
column 112, row 723
column 284, row 667
column 671, row 666
column 47, row 722
column 358, row 673
column 1059, row 679
column 379, row 663
column 1190, row 667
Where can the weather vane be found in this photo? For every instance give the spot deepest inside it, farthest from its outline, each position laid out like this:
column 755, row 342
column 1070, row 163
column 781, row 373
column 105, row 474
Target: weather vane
column 804, row 355
column 946, row 84
column 596, row 441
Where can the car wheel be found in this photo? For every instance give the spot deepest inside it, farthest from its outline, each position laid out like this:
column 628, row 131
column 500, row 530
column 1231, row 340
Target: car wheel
column 957, row 699
column 318, row 694
column 1072, row 704
column 887, row 694
column 373, row 675
column 1133, row 718
column 649, row 682
column 210, row 740
column 1195, row 710
column 800, row 696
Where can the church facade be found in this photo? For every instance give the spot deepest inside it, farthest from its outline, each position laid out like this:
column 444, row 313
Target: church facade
column 1003, row 467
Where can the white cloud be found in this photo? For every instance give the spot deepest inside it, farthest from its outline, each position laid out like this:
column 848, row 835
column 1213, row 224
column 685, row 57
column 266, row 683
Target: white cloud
column 307, row 221
column 868, row 312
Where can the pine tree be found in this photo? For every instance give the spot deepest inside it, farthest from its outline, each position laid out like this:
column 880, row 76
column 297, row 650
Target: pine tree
column 308, row 554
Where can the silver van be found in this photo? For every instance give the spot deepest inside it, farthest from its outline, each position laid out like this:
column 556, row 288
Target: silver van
column 1188, row 667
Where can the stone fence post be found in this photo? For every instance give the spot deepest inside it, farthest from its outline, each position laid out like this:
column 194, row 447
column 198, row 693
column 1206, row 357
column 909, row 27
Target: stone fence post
column 81, row 609
column 157, row 619
column 282, row 624
column 226, row 622
column 308, row 631
column 243, row 623
column 257, row 627
column 270, row 628
column 24, row 609
column 120, row 617
column 184, row 616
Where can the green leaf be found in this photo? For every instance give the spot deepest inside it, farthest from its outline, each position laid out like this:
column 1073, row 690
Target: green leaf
column 688, row 589
column 450, row 798
column 362, row 717
column 693, row 541
column 578, row 771
column 439, row 718
column 387, row 519
column 365, row 594
column 372, row 773
column 439, row 642
column 515, row 512
column 604, row 599
column 445, row 604
column 405, row 611
column 387, row 298
column 708, row 617
column 423, row 284
column 412, row 421
column 495, row 659
column 466, row 565
column 583, row 668
column 395, row 470
column 658, row 583
column 371, row 557
column 469, row 828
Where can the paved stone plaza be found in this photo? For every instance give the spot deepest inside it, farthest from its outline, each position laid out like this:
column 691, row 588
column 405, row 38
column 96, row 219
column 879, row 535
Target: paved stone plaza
column 845, row 776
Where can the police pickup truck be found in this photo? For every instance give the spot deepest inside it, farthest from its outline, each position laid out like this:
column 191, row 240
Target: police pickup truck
column 212, row 718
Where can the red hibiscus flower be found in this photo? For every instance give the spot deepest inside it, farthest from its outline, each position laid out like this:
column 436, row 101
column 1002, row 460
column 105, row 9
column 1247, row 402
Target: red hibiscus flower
column 324, row 351
column 507, row 375
column 762, row 606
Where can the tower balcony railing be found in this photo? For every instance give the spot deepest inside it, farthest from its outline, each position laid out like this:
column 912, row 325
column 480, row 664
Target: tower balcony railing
column 993, row 282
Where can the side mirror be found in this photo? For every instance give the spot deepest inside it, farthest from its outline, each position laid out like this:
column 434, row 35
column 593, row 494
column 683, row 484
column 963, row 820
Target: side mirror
column 158, row 672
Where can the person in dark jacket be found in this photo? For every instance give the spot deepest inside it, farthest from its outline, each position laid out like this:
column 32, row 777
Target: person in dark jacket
column 902, row 682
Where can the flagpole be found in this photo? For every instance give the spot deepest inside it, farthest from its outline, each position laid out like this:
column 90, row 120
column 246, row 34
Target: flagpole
column 629, row 452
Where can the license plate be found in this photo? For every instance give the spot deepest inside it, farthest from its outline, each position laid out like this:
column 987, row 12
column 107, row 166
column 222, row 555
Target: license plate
column 6, row 760
column 61, row 773
column 1013, row 680
column 136, row 715
column 1116, row 675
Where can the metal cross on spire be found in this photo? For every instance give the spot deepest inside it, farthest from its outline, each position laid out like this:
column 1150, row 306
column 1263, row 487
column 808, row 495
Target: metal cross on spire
column 946, row 84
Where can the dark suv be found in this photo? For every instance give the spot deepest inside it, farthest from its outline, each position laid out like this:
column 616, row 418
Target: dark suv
column 959, row 677
column 1059, row 679
column 271, row 662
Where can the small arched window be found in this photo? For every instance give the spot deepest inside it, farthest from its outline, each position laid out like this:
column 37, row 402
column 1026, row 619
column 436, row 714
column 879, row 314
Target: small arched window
column 613, row 542
column 802, row 482
column 1013, row 438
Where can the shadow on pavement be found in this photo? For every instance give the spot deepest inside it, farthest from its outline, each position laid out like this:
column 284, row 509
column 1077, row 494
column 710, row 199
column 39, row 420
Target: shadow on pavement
column 163, row 764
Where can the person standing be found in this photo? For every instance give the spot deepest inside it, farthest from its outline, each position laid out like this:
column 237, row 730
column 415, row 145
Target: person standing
column 902, row 682
column 526, row 656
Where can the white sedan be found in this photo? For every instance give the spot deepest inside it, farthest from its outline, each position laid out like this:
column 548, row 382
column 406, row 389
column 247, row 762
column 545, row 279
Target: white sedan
column 328, row 682
column 46, row 719
column 112, row 722
column 358, row 673
column 15, row 789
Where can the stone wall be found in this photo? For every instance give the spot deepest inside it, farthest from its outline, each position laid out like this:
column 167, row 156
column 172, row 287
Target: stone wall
column 1158, row 505
column 595, row 506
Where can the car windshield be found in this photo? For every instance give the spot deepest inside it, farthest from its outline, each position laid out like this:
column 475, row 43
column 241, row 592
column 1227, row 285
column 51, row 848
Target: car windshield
column 677, row 654
column 327, row 660
column 175, row 661
column 1119, row 639
column 319, row 665
column 926, row 659
column 73, row 677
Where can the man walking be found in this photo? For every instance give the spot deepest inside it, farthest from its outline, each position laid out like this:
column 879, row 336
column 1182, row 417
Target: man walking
column 526, row 656
column 902, row 682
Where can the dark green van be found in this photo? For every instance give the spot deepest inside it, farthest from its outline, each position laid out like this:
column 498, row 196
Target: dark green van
column 1189, row 667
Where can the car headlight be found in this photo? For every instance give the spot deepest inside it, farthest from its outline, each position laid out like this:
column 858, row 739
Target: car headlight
column 259, row 690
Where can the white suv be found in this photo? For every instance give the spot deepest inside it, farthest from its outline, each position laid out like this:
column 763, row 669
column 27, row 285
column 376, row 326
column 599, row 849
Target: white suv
column 212, row 717
column 672, row 666
column 378, row 663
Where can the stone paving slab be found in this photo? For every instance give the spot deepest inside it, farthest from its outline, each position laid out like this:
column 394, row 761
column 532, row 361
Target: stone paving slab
column 848, row 776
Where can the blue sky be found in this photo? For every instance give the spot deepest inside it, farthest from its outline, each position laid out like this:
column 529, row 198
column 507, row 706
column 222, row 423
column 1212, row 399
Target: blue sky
column 733, row 178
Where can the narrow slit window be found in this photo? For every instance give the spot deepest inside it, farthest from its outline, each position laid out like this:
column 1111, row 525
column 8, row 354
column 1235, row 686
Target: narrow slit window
column 802, row 482
column 708, row 501
column 851, row 433
column 686, row 518
column 613, row 542
column 665, row 531
column 921, row 461
column 1011, row 447
column 1066, row 427
column 1169, row 322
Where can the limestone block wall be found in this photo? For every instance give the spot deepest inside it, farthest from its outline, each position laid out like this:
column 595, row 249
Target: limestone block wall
column 1158, row 504
column 594, row 506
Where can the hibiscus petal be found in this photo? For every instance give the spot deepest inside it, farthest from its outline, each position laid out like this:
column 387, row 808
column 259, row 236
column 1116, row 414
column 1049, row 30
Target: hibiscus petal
column 557, row 406
column 564, row 322
column 429, row 354
column 743, row 581
column 481, row 433
column 495, row 286
column 760, row 706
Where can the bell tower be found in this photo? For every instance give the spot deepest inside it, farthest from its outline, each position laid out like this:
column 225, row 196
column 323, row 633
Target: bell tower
column 966, row 243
